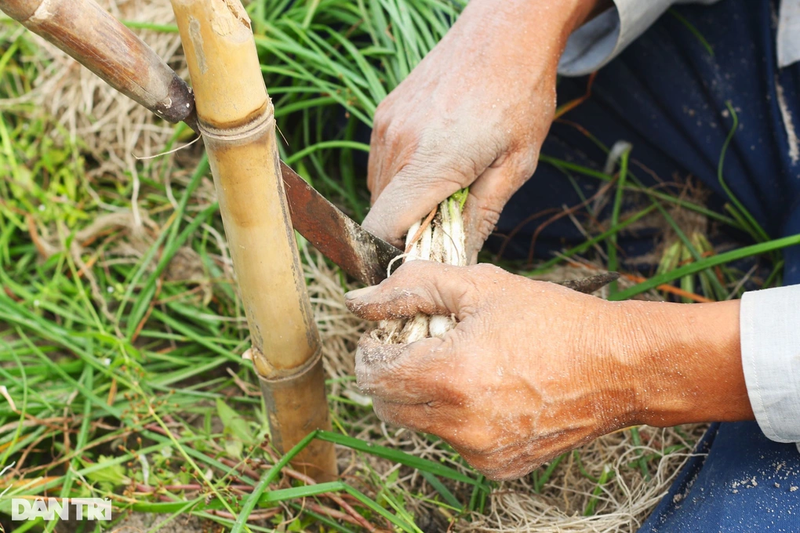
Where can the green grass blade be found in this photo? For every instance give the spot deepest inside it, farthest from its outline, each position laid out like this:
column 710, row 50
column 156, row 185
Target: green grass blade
column 709, row 262
column 397, row 457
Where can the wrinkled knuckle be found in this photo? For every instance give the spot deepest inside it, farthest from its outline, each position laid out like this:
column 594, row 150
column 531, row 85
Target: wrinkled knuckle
column 397, row 136
column 477, row 441
column 377, row 139
column 460, row 173
column 528, row 161
column 460, row 178
column 444, row 164
column 486, row 227
column 488, row 216
column 483, row 444
column 471, row 299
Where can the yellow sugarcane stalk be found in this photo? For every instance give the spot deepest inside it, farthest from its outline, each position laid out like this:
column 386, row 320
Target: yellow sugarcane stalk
column 237, row 122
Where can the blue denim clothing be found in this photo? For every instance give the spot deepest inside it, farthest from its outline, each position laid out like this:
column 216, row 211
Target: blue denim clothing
column 667, row 95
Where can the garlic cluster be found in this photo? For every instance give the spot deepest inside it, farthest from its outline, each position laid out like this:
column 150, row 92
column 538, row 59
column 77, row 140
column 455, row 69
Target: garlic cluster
column 438, row 237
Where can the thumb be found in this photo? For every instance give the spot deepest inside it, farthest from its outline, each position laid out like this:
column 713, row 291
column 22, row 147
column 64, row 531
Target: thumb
column 417, row 287
column 411, row 194
column 489, row 195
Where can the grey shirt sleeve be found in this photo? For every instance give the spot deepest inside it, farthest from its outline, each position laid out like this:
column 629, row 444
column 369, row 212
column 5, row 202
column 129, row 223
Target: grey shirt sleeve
column 788, row 30
column 769, row 322
column 601, row 39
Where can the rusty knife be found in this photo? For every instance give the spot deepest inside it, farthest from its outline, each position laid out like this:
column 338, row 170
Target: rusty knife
column 357, row 251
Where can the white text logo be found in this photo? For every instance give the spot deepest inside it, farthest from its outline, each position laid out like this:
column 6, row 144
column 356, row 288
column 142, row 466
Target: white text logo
column 64, row 508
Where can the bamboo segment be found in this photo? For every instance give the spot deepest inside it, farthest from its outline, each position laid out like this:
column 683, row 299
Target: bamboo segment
column 82, row 29
column 236, row 119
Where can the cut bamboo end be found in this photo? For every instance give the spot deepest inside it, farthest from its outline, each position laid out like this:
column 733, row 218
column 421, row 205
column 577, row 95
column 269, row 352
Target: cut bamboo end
column 238, row 126
column 82, row 29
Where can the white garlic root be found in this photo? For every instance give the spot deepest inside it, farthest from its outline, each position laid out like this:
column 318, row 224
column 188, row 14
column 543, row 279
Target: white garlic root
column 437, row 238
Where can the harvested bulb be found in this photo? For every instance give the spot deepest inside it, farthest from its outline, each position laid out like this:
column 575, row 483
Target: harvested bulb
column 438, row 237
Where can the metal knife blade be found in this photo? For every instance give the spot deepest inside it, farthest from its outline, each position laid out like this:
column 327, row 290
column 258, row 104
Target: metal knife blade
column 357, row 251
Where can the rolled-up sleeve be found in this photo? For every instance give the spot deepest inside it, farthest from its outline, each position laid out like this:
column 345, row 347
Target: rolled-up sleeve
column 769, row 322
column 601, row 39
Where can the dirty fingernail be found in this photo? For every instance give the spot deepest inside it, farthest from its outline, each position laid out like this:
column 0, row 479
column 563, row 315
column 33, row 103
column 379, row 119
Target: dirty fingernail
column 359, row 294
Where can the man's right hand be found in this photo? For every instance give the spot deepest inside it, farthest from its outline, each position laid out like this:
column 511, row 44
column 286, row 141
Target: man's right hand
column 473, row 113
column 533, row 370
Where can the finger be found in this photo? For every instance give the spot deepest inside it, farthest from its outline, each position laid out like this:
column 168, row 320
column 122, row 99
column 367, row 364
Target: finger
column 506, row 465
column 402, row 373
column 412, row 193
column 376, row 160
column 489, row 194
column 431, row 417
column 416, row 287
column 387, row 154
column 415, row 417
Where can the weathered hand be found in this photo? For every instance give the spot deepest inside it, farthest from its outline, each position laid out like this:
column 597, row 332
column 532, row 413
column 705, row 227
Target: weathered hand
column 534, row 369
column 473, row 113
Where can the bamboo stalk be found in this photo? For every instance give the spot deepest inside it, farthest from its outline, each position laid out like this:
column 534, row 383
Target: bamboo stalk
column 236, row 119
column 82, row 29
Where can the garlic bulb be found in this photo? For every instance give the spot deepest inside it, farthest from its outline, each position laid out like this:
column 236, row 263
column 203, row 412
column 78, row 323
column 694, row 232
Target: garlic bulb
column 438, row 237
